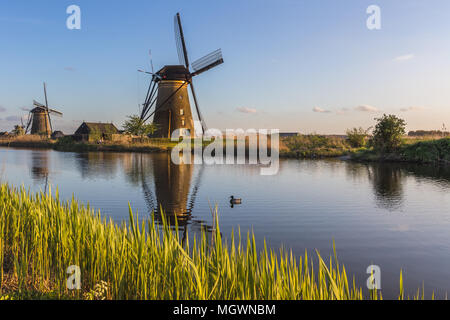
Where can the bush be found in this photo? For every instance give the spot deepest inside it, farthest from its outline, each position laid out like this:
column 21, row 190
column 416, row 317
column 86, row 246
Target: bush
column 388, row 133
column 136, row 126
column 357, row 137
column 428, row 151
column 18, row 131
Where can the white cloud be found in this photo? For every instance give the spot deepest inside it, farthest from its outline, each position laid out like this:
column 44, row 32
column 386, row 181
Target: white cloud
column 320, row 110
column 411, row 109
column 366, row 108
column 405, row 57
column 246, row 110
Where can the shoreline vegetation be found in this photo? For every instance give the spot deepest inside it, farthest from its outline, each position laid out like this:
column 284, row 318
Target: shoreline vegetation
column 425, row 149
column 40, row 237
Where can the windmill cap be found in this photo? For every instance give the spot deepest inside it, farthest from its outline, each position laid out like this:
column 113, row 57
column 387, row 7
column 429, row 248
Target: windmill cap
column 175, row 72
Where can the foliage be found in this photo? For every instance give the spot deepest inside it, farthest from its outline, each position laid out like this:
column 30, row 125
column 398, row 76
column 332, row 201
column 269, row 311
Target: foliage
column 428, row 151
column 388, row 133
column 315, row 146
column 40, row 237
column 136, row 126
column 18, row 130
column 357, row 137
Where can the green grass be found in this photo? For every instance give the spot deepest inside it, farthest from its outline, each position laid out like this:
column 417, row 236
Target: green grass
column 40, row 237
column 413, row 150
column 315, row 146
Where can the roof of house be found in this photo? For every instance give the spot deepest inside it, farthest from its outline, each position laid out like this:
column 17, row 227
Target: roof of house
column 95, row 128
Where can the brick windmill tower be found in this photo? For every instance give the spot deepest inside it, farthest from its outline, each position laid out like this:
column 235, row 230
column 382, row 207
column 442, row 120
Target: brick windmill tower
column 168, row 95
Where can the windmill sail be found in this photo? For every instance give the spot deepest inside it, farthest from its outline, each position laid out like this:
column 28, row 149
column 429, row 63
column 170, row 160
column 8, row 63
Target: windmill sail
column 207, row 62
column 57, row 113
column 181, row 44
column 200, row 117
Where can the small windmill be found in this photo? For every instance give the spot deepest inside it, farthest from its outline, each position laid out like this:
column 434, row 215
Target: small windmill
column 168, row 94
column 39, row 117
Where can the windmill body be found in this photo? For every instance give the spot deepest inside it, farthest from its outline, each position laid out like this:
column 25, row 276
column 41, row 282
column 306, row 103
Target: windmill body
column 168, row 91
column 173, row 93
column 40, row 123
column 39, row 118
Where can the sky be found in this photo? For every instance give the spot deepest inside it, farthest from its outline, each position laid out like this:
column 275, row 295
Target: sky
column 309, row 66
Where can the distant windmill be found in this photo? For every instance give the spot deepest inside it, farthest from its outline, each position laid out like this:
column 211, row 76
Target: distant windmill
column 168, row 93
column 39, row 117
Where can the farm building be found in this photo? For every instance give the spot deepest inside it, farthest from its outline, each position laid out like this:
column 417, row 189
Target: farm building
column 94, row 132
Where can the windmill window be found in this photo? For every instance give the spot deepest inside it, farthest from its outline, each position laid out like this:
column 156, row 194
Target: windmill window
column 182, row 122
column 181, row 112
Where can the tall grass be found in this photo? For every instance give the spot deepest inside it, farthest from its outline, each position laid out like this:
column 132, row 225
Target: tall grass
column 315, row 146
column 40, row 237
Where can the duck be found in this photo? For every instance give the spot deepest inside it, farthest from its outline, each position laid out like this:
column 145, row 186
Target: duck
column 234, row 200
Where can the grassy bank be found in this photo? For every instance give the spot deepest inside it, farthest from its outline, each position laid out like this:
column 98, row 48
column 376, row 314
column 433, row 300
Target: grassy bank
column 27, row 141
column 304, row 146
column 40, row 237
column 314, row 146
column 424, row 150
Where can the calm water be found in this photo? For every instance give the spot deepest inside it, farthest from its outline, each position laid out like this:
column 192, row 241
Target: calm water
column 394, row 216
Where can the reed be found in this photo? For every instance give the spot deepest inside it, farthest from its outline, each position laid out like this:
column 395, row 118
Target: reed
column 40, row 237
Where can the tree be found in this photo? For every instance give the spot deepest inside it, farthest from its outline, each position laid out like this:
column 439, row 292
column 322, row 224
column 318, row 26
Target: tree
column 357, row 137
column 18, row 130
column 388, row 133
column 136, row 126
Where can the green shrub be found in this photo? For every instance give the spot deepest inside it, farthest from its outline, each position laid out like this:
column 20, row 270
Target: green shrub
column 357, row 137
column 428, row 151
column 388, row 133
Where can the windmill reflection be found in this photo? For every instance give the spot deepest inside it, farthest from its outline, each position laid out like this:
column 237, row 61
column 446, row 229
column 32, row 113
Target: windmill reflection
column 40, row 167
column 167, row 189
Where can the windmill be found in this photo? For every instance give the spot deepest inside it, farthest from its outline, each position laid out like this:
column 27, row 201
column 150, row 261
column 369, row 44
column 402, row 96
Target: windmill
column 168, row 95
column 39, row 117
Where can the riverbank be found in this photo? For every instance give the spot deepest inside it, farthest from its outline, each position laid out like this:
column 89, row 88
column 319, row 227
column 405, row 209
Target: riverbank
column 315, row 146
column 299, row 147
column 41, row 237
column 427, row 151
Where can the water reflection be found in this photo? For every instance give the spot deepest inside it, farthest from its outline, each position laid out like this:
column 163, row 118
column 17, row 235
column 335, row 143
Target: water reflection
column 164, row 184
column 97, row 164
column 387, row 183
column 40, row 166
column 388, row 179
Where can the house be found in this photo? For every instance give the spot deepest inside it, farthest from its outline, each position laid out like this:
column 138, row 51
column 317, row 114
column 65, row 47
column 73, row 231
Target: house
column 94, row 132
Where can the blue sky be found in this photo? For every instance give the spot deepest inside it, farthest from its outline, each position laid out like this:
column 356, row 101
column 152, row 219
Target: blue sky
column 296, row 65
